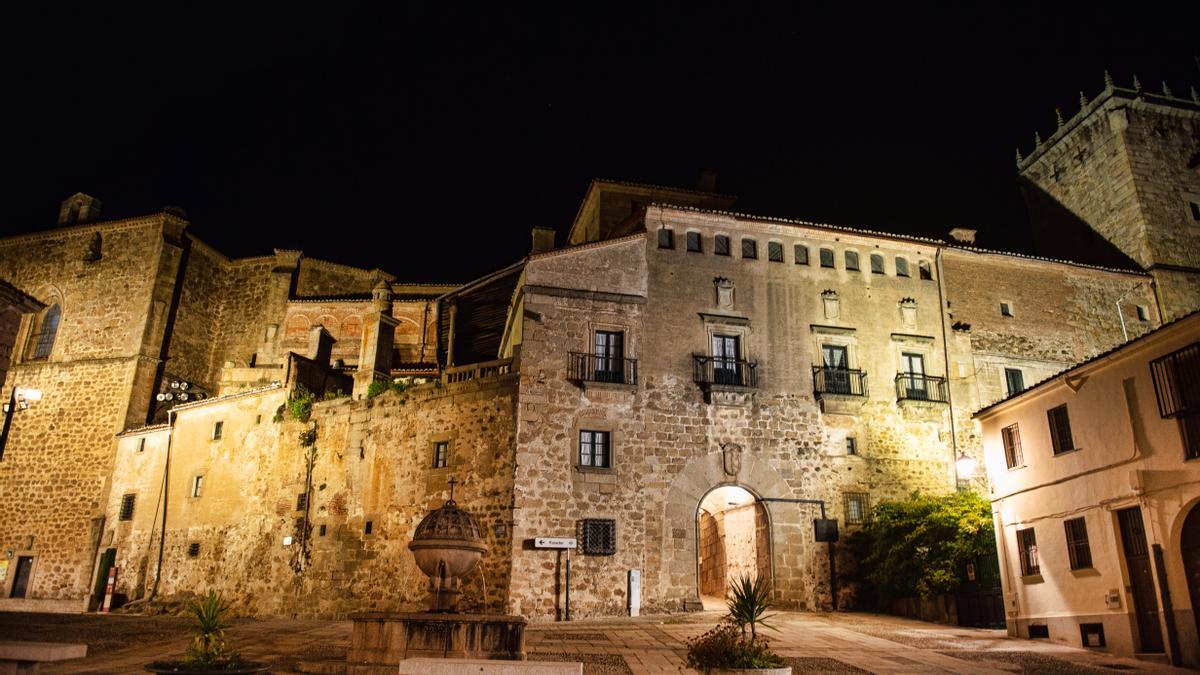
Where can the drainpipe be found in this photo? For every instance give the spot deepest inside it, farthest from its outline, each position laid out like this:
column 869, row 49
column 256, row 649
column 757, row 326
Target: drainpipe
column 162, row 535
column 937, row 261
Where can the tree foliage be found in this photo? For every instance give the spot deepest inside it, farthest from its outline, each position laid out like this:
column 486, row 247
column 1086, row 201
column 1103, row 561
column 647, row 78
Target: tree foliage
column 920, row 546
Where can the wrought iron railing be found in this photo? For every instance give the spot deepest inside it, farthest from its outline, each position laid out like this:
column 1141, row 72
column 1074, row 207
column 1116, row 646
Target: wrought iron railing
column 917, row 387
column 1177, row 382
column 591, row 368
column 719, row 370
column 844, row 381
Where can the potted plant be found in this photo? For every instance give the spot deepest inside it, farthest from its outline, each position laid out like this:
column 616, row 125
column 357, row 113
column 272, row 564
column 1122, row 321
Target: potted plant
column 734, row 645
column 208, row 653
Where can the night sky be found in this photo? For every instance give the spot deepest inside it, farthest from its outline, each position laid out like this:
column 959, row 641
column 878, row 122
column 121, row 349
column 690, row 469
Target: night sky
column 427, row 141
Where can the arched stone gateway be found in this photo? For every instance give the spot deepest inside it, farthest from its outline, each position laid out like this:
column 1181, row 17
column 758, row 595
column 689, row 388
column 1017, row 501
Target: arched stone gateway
column 1189, row 549
column 795, row 571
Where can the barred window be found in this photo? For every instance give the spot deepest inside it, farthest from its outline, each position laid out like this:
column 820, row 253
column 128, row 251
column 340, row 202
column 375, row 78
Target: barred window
column 1189, row 428
column 827, row 257
column 43, row 340
column 801, row 253
column 666, row 237
column 852, row 261
column 1060, row 429
column 441, row 454
column 1077, row 543
column 694, row 244
column 749, row 249
column 599, row 536
column 1027, row 545
column 127, row 504
column 774, row 251
column 1011, row 436
column 721, row 245
column 901, row 266
column 193, row 549
column 301, row 501
column 858, row 507
column 876, row 263
column 594, row 449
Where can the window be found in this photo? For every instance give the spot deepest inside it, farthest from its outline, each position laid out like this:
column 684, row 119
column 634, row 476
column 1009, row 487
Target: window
column 800, row 251
column 369, row 527
column 852, row 261
column 441, row 454
column 1143, row 314
column 857, row 507
column 836, row 360
column 1189, row 428
column 925, row 271
column 1060, row 429
column 774, row 251
column 666, row 237
column 258, row 419
column 1014, row 379
column 901, row 266
column 193, row 549
column 43, row 340
column 1091, row 634
column 913, row 368
column 1077, row 543
column 693, row 242
column 876, row 263
column 1011, row 436
column 599, row 536
column 1039, row 630
column 218, row 427
column 1194, row 207
column 726, row 354
column 1006, row 309
column 610, row 356
column 721, row 245
column 321, row 530
column 826, row 257
column 1027, row 545
column 141, row 445
column 594, row 449
column 749, row 249
column 197, row 486
column 127, row 504
column 301, row 501
column 851, row 445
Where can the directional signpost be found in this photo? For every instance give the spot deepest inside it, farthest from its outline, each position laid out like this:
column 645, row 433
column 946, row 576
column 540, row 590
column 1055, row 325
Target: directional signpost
column 560, row 544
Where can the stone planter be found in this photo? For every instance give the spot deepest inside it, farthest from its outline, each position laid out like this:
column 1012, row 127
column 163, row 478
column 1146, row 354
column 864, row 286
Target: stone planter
column 177, row 667
column 782, row 670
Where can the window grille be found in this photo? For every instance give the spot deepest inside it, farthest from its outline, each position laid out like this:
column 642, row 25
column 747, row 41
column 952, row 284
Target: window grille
column 666, row 238
column 599, row 536
column 827, row 257
column 858, row 507
column 749, row 248
column 852, row 261
column 1027, row 544
column 441, row 454
column 694, row 244
column 43, row 342
column 774, row 251
column 1011, row 436
column 301, row 501
column 1177, row 382
column 1077, row 543
column 594, row 449
column 901, row 266
column 1189, row 429
column 1060, row 429
column 876, row 263
column 801, row 253
column 721, row 245
column 127, row 504
column 193, row 549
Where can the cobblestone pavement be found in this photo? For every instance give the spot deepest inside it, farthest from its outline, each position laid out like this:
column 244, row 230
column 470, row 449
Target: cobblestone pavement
column 812, row 643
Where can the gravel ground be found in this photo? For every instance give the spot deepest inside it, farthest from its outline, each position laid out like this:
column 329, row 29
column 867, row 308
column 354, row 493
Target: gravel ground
column 99, row 634
column 821, row 666
column 1029, row 662
column 593, row 664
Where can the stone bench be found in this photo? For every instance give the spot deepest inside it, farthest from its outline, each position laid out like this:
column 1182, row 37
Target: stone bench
column 427, row 666
column 24, row 657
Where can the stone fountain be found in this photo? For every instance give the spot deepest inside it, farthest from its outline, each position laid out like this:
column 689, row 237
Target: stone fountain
column 448, row 544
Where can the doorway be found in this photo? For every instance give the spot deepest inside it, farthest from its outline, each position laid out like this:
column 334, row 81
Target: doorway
column 734, row 540
column 1141, row 578
column 1189, row 548
column 21, row 579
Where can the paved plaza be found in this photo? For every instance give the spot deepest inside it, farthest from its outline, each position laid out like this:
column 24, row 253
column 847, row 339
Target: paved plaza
column 812, row 643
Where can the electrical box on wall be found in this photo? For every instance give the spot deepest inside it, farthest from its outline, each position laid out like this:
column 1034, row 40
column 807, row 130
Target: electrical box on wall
column 1113, row 598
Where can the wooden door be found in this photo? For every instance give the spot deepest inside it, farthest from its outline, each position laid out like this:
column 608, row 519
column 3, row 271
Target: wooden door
column 1189, row 548
column 1141, row 580
column 21, row 580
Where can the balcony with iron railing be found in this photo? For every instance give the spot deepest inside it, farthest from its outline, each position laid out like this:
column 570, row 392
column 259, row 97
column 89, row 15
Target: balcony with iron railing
column 919, row 387
column 840, row 391
column 719, row 373
column 590, row 369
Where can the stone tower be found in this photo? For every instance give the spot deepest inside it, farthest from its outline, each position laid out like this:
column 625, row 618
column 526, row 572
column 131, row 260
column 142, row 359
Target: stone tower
column 1127, row 167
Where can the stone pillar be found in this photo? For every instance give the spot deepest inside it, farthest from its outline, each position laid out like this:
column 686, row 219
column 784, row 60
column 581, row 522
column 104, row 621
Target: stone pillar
column 281, row 286
column 320, row 345
column 379, row 332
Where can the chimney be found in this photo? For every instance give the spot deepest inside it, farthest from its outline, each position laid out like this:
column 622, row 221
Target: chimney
column 707, row 182
column 78, row 209
column 963, row 235
column 543, row 240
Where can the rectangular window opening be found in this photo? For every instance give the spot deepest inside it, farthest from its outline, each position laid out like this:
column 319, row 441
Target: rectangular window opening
column 197, row 486
column 1006, row 309
column 594, row 449
column 1189, row 428
column 925, row 271
column 369, row 527
column 694, row 244
column 852, row 261
column 193, row 549
column 1078, row 548
column 1027, row 545
column 599, row 536
column 1143, row 313
column 749, row 249
column 1011, row 435
column 901, row 266
column 441, row 454
column 857, row 507
column 1014, row 380
column 774, row 251
column 876, row 264
column 218, row 429
column 301, row 501
column 721, row 245
column 800, row 251
column 826, row 257
column 666, row 237
column 851, row 445
column 127, row 503
column 1060, row 429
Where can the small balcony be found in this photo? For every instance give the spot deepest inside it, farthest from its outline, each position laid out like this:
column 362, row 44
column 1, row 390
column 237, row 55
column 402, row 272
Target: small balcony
column 840, row 391
column 716, row 373
column 588, row 369
column 923, row 388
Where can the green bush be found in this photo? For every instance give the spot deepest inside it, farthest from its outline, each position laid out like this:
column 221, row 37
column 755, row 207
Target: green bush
column 919, row 546
column 380, row 386
column 300, row 405
column 727, row 647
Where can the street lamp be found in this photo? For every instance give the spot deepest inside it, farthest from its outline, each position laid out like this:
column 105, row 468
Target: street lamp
column 964, row 468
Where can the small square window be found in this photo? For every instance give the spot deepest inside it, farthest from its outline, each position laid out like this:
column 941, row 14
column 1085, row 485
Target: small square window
column 1039, row 631
column 666, row 237
column 599, row 536
column 594, row 449
column 1006, row 309
column 1091, row 634
column 876, row 263
column 774, row 251
column 321, row 530
column 852, row 261
column 721, row 245
column 218, row 428
column 197, row 486
column 127, row 503
column 694, row 244
column 441, row 454
column 858, row 506
column 851, row 445
column 801, row 253
column 749, row 249
column 827, row 257
column 193, row 549
column 1143, row 313
column 301, row 501
column 901, row 266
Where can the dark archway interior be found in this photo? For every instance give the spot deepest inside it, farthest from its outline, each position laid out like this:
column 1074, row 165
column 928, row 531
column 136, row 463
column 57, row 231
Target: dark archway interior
column 1189, row 548
column 734, row 540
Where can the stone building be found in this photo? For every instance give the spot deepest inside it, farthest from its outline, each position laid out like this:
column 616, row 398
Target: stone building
column 681, row 387
column 1096, row 476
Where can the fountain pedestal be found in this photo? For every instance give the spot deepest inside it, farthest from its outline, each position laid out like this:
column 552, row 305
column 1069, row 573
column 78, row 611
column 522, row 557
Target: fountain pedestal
column 387, row 638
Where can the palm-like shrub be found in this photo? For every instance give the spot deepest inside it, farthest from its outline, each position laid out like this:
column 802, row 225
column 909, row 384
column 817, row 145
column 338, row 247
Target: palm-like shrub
column 208, row 646
column 748, row 602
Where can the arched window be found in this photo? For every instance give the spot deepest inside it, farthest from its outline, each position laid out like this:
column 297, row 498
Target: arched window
column 43, row 340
